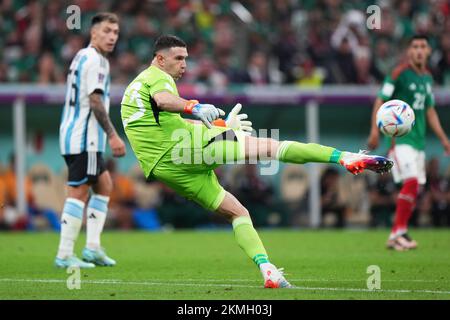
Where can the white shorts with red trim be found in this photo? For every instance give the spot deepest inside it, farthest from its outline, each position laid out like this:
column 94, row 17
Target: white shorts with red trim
column 408, row 163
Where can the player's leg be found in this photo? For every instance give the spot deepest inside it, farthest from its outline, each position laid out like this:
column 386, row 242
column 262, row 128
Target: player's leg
column 72, row 215
column 406, row 171
column 96, row 212
column 297, row 152
column 249, row 240
column 199, row 183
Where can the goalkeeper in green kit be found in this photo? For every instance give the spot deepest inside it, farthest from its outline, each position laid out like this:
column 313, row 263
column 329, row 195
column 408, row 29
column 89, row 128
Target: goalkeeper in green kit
column 183, row 153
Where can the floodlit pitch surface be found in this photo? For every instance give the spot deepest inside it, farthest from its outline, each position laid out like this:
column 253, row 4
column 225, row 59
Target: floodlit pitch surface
column 209, row 265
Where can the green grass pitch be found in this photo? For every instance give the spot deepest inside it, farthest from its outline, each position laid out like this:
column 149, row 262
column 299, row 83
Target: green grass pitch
column 209, row 265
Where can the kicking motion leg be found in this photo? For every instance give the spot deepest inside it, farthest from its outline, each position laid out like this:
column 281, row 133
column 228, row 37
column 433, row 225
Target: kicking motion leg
column 248, row 239
column 297, row 152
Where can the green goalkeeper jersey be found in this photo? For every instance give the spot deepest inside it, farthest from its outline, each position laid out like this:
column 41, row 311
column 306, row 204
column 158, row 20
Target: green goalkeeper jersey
column 145, row 123
column 406, row 84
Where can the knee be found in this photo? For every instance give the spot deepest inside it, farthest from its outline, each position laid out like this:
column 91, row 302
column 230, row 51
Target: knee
column 104, row 186
column 411, row 187
column 410, row 190
column 235, row 212
column 80, row 193
column 242, row 212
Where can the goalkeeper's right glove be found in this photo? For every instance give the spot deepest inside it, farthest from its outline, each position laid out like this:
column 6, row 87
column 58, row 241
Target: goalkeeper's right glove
column 207, row 113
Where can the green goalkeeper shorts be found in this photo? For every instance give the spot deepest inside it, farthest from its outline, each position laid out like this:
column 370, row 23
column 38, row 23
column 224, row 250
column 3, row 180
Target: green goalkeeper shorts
column 188, row 167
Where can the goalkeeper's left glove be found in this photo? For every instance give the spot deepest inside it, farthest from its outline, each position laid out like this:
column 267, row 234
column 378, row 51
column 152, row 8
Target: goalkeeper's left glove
column 236, row 121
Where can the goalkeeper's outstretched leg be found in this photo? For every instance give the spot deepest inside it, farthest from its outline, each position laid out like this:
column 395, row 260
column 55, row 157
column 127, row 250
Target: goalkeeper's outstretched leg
column 297, row 152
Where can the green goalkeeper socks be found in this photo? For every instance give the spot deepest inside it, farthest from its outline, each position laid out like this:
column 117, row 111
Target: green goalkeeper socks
column 297, row 152
column 248, row 239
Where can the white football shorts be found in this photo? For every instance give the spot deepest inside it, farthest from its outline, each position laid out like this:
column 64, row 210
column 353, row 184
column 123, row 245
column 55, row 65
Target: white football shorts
column 408, row 163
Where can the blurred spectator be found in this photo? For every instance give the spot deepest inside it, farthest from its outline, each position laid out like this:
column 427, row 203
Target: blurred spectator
column 3, row 72
column 122, row 198
column 48, row 70
column 342, row 68
column 443, row 70
column 330, row 32
column 223, row 36
column 285, row 51
column 383, row 197
column 227, row 68
column 404, row 19
column 363, row 64
column 383, row 59
column 351, row 29
column 438, row 194
column 261, row 27
column 73, row 44
column 257, row 70
column 126, row 68
column 206, row 73
column 330, row 200
column 308, row 75
column 141, row 37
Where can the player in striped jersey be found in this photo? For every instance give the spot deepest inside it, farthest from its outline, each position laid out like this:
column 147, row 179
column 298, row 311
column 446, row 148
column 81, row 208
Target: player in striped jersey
column 84, row 128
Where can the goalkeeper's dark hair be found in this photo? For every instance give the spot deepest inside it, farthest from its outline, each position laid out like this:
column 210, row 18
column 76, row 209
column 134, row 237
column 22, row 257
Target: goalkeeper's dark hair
column 418, row 37
column 167, row 42
column 104, row 16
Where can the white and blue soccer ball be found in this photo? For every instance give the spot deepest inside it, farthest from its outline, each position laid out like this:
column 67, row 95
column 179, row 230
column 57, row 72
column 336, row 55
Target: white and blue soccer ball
column 395, row 118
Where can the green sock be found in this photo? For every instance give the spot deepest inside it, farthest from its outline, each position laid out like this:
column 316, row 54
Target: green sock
column 297, row 152
column 248, row 239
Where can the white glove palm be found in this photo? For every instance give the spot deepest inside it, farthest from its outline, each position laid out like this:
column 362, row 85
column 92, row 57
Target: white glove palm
column 237, row 121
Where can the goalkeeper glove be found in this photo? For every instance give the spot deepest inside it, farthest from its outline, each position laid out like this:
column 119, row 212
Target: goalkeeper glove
column 236, row 121
column 207, row 113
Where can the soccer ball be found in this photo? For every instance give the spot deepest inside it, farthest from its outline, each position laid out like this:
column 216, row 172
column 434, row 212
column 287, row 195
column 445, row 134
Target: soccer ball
column 395, row 118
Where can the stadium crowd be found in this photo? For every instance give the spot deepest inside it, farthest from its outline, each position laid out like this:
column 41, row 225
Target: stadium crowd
column 346, row 201
column 304, row 42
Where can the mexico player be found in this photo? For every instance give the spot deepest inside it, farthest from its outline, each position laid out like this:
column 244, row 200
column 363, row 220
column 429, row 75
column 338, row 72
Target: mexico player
column 85, row 125
column 412, row 83
column 179, row 152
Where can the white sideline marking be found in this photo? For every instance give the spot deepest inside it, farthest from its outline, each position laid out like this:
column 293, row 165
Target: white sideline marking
column 165, row 283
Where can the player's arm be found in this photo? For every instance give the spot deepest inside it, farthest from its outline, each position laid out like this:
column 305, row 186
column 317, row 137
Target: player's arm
column 385, row 93
column 435, row 125
column 374, row 136
column 235, row 120
column 206, row 113
column 97, row 107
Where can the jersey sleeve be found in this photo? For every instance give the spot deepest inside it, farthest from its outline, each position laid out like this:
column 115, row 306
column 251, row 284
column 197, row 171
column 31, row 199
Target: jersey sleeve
column 95, row 75
column 161, row 84
column 429, row 98
column 387, row 89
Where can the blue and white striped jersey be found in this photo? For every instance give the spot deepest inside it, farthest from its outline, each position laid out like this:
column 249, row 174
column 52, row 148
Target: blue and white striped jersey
column 79, row 130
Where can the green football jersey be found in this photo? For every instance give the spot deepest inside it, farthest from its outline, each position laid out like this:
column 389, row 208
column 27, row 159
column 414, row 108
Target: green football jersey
column 415, row 89
column 145, row 124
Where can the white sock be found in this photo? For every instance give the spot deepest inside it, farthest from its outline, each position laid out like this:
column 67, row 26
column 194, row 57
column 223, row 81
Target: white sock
column 71, row 220
column 96, row 216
